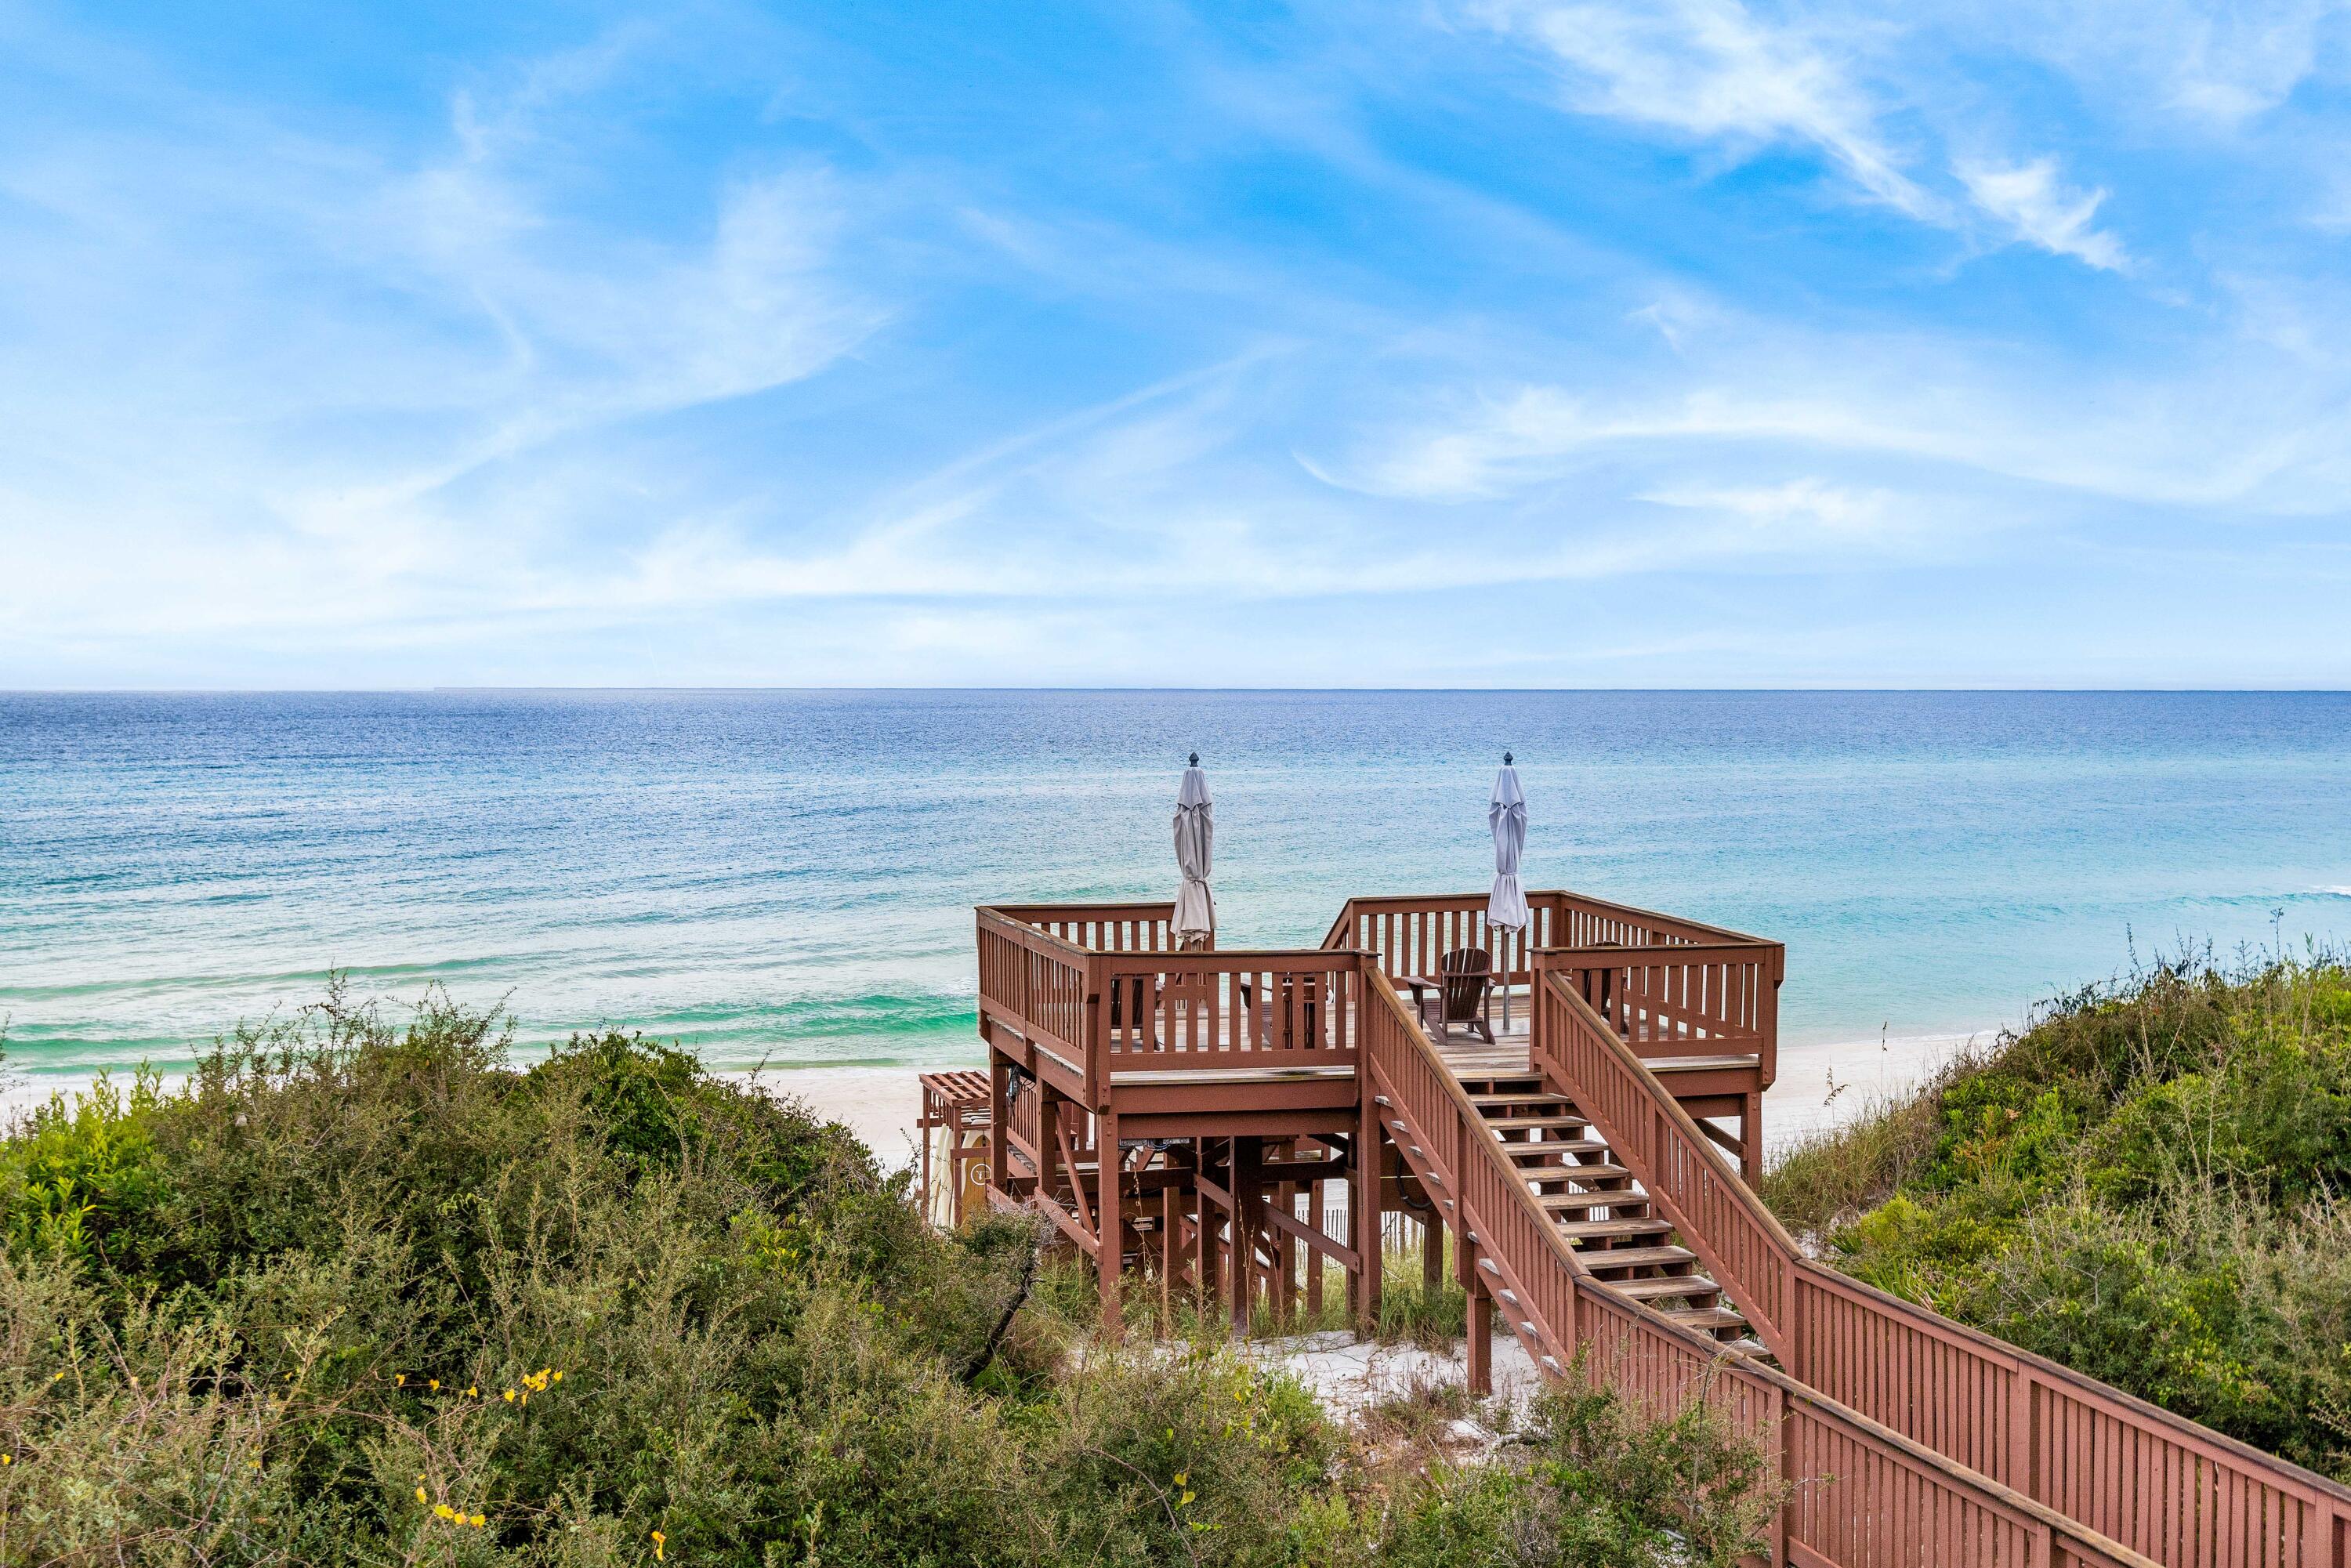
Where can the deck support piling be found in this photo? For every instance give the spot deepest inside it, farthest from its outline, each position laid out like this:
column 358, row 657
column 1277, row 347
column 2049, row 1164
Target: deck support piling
column 1479, row 1326
column 1109, row 1223
column 1245, row 1158
column 1364, row 1229
column 999, row 1147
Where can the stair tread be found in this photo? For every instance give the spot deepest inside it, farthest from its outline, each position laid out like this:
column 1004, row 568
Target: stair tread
column 1636, row 1258
column 1530, row 1097
column 1529, row 1123
column 1561, row 1202
column 1516, row 1147
column 1597, row 1170
column 1664, row 1286
column 1574, row 1229
column 1706, row 1319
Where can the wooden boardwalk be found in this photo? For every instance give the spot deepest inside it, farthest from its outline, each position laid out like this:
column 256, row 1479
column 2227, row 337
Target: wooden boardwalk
column 1262, row 1115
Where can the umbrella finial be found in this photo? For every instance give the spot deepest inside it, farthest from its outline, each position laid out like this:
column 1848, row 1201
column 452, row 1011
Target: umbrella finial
column 1195, row 760
column 1506, row 759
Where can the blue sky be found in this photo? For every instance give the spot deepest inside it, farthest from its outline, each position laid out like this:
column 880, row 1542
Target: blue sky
column 1448, row 344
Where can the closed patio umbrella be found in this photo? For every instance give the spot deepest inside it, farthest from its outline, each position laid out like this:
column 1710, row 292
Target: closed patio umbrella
column 1506, row 907
column 1195, row 912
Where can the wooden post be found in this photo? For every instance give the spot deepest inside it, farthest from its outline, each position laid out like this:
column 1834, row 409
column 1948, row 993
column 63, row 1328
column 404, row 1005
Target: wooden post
column 1432, row 1247
column 1788, row 1477
column 1750, row 1140
column 1000, row 1126
column 1285, row 1250
column 1243, row 1280
column 1170, row 1217
column 1481, row 1327
column 1049, row 1148
column 1110, row 1225
column 1313, row 1259
column 1363, row 1210
column 924, row 1125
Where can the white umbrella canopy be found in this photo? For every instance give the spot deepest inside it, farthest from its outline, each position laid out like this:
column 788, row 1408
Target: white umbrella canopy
column 1196, row 830
column 1506, row 817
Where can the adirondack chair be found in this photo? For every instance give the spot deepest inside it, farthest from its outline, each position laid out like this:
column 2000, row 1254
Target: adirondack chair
column 1464, row 976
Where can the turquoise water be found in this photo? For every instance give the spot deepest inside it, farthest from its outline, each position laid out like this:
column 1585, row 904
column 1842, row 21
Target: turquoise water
column 789, row 876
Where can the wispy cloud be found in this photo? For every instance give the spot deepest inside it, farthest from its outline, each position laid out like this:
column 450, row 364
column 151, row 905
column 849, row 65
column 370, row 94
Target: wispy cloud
column 1709, row 69
column 1715, row 70
column 2031, row 200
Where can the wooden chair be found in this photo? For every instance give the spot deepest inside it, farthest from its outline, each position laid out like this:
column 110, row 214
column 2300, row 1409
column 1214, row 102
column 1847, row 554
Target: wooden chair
column 1468, row 976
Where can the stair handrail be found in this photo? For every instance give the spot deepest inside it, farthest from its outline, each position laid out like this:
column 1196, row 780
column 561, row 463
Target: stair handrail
column 2024, row 1454
column 2059, row 1539
column 1468, row 1129
column 1742, row 1243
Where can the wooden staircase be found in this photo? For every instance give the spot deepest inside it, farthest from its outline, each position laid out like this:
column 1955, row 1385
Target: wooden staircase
column 1601, row 1210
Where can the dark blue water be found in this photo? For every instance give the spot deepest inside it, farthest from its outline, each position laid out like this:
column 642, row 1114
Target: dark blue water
column 789, row 874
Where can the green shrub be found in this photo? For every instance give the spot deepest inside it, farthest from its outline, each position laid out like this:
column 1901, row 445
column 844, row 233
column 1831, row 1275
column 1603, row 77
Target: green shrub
column 361, row 1292
column 2147, row 1185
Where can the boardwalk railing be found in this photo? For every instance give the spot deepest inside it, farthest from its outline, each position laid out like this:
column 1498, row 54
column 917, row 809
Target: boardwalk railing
column 1862, row 1495
column 2154, row 1482
column 1103, row 990
column 1273, row 1012
column 1673, row 987
column 1100, row 928
column 1411, row 934
column 1691, row 999
column 1034, row 981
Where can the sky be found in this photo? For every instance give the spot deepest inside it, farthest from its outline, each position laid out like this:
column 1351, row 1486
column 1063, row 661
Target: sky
column 1497, row 342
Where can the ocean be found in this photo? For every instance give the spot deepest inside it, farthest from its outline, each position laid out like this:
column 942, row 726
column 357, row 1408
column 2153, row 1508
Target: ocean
column 787, row 876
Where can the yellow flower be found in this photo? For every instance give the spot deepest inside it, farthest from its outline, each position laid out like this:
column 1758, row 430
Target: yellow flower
column 658, row 1538
column 1183, row 1477
column 433, row 1383
column 1187, row 1500
column 556, row 1376
column 7, row 1459
column 400, row 1380
column 443, row 1510
column 477, row 1522
column 472, row 1392
column 509, row 1395
column 420, row 1497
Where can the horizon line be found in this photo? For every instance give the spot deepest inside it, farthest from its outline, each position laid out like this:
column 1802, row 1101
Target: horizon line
column 440, row 690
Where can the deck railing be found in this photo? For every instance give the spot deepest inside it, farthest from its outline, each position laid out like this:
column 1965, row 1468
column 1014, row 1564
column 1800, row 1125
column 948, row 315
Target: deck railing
column 1691, row 999
column 2144, row 1477
column 1674, row 987
column 1103, row 989
column 1224, row 1011
column 1100, row 927
column 1034, row 981
column 1863, row 1496
column 1411, row 934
